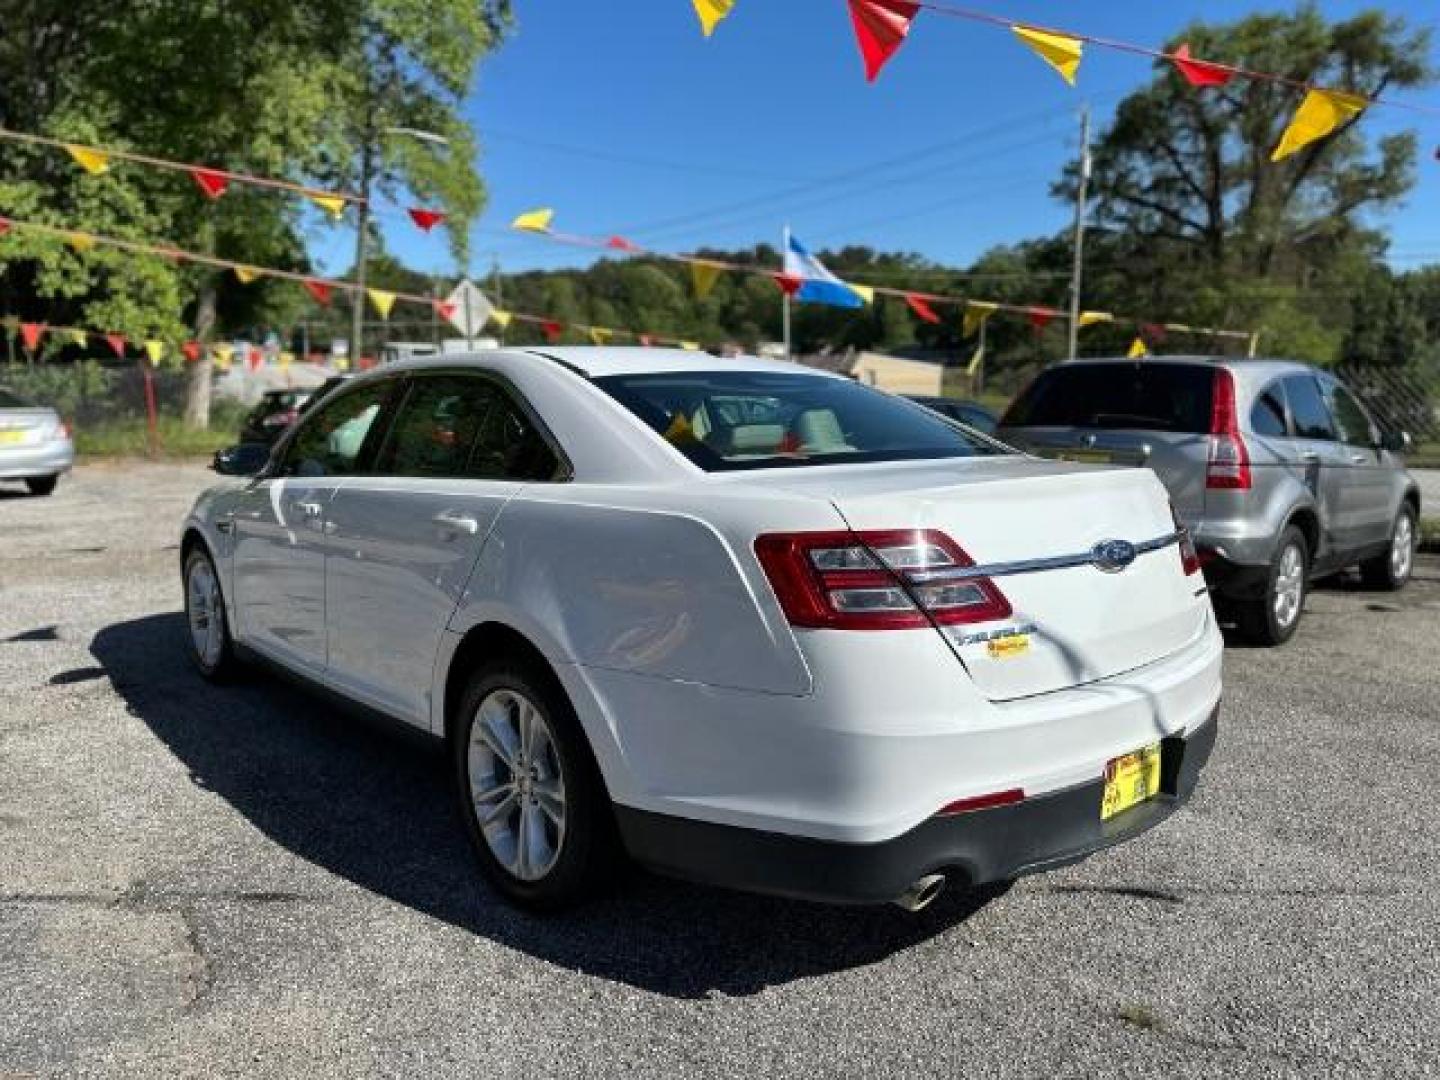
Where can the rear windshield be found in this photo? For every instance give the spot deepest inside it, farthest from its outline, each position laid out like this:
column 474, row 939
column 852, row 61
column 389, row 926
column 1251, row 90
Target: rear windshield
column 1158, row 397
column 10, row 400
column 760, row 420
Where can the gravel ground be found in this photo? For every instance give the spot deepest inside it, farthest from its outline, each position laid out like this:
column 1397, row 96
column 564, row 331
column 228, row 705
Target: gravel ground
column 203, row 882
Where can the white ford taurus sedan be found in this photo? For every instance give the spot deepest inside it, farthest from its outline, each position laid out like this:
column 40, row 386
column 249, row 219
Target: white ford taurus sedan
column 744, row 622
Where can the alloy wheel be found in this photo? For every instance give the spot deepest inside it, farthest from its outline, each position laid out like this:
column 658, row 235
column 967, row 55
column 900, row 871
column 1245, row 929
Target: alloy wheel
column 1402, row 548
column 1289, row 589
column 205, row 612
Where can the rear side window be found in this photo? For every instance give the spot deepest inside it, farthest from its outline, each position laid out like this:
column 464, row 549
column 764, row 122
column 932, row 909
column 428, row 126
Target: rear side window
column 1146, row 395
column 1268, row 415
column 1312, row 417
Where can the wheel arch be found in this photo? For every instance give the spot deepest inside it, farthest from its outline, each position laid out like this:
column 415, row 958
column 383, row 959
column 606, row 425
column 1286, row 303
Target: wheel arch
column 1307, row 521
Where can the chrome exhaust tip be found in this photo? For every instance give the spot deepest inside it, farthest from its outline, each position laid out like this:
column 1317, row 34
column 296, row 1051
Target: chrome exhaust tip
column 922, row 893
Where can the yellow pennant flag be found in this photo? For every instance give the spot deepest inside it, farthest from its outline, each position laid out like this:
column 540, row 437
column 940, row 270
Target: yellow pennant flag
column 976, row 312
column 333, row 205
column 600, row 336
column 711, row 12
column 81, row 242
column 248, row 275
column 1319, row 114
column 95, row 162
column 1090, row 318
column 1138, row 349
column 155, row 350
column 704, row 276
column 79, row 337
column 1061, row 52
column 285, row 359
column 501, row 318
column 976, row 361
column 534, row 220
column 865, row 292
column 223, row 354
column 382, row 300
column 690, row 346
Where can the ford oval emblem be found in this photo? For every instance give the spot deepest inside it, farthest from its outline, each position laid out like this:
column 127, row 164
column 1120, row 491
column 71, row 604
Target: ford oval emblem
column 1112, row 556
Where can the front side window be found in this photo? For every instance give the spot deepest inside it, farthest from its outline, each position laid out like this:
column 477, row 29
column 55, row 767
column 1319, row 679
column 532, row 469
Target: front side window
column 1355, row 426
column 1312, row 416
column 330, row 440
column 725, row 421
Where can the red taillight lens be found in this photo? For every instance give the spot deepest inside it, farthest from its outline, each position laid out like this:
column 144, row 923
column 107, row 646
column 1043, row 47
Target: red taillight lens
column 867, row 580
column 1189, row 557
column 1229, row 464
column 982, row 802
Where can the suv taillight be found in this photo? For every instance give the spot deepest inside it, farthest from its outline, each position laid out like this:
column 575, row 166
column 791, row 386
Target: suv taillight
column 1228, row 467
column 868, row 580
column 1189, row 557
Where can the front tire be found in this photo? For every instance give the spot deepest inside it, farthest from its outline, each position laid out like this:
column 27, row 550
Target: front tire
column 40, row 486
column 531, row 796
column 1272, row 618
column 1391, row 571
column 207, row 631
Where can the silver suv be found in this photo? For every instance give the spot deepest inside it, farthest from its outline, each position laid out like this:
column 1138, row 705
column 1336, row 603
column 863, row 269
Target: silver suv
column 1279, row 471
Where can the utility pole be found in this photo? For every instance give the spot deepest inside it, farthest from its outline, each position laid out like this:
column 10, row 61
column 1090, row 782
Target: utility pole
column 495, row 287
column 362, row 240
column 1077, row 273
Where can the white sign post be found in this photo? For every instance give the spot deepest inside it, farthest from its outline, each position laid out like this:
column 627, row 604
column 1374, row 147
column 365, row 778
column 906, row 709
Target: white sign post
column 468, row 310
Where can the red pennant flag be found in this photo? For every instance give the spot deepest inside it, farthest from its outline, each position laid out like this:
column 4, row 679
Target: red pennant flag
column 790, row 284
column 319, row 290
column 1040, row 317
column 445, row 309
column 4, row 226
column 191, row 349
column 619, row 243
column 30, row 334
column 1198, row 72
column 254, row 358
column 426, row 220
column 880, row 29
column 552, row 330
column 921, row 309
column 212, row 183
column 117, row 344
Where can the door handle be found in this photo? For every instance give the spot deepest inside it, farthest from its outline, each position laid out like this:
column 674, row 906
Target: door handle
column 456, row 522
column 310, row 509
column 225, row 524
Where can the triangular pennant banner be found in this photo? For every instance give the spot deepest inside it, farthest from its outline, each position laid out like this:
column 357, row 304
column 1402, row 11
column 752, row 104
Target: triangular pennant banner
column 619, row 243
column 711, row 12
column 1090, row 318
column 78, row 337
column 975, row 361
column 30, row 334
column 95, row 162
column 445, row 309
column 704, row 275
column 976, row 312
column 1039, row 317
column 319, row 290
column 690, row 346
column 865, row 292
column 192, row 351
column 600, row 336
column 552, row 330
column 155, row 351
column 501, row 318
column 1138, row 349
column 880, row 29
column 117, row 344
column 534, row 220
column 1060, row 51
column 382, row 300
column 223, row 354
column 285, row 359
column 80, row 242
column 247, row 275
column 921, row 308
column 4, row 226
column 1319, row 114
column 211, row 183
column 333, row 205
column 790, row 284
column 1198, row 72
column 646, row 340
column 425, row 220
column 1153, row 332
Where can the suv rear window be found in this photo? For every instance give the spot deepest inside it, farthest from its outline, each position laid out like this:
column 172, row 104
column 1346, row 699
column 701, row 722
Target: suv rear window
column 723, row 420
column 1144, row 395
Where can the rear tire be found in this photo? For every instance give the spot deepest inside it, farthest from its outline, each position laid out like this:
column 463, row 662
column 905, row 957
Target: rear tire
column 531, row 796
column 1391, row 571
column 1271, row 618
column 41, row 486
column 207, row 633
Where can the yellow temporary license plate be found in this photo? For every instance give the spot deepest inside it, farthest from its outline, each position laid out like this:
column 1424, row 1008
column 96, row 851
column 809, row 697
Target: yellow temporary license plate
column 12, row 436
column 1130, row 779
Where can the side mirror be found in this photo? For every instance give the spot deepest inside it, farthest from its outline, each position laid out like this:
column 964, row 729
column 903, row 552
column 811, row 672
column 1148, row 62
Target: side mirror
column 244, row 459
column 1397, row 442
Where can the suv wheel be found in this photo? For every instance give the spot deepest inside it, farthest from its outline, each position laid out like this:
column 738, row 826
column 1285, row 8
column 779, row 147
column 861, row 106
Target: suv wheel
column 531, row 796
column 1392, row 570
column 1271, row 619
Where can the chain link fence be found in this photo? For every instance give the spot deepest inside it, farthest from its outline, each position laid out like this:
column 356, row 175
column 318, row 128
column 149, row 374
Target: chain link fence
column 1402, row 399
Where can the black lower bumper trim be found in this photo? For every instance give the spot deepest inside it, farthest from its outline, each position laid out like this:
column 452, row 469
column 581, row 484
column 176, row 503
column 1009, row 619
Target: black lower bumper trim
column 1037, row 834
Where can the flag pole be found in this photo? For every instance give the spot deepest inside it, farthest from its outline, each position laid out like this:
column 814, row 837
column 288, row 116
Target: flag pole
column 784, row 293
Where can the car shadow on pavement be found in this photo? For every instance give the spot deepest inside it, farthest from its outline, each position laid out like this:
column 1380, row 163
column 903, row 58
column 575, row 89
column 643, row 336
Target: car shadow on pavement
column 376, row 809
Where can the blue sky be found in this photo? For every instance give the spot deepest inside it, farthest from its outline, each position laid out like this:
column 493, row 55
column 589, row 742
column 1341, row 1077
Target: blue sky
column 622, row 117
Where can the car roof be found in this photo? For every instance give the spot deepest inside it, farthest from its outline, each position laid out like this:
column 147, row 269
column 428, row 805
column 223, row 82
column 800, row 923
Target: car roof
column 1255, row 366
column 598, row 362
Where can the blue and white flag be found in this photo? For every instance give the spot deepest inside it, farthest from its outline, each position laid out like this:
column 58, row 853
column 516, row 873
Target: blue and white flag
column 821, row 286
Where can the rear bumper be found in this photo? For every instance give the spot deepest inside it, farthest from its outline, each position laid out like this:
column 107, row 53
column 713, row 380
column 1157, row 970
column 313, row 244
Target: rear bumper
column 1041, row 833
column 41, row 459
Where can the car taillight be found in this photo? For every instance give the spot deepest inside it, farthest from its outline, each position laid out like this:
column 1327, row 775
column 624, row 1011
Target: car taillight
column 1189, row 557
column 874, row 580
column 1229, row 465
column 63, row 430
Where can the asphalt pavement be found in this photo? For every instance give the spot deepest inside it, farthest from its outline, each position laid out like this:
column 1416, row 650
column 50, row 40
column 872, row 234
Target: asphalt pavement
column 247, row 882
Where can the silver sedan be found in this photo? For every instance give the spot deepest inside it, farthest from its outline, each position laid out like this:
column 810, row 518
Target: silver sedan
column 35, row 444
